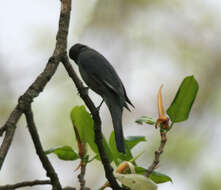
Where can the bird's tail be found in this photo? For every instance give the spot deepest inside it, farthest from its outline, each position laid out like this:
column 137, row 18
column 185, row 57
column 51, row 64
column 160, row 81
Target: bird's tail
column 116, row 114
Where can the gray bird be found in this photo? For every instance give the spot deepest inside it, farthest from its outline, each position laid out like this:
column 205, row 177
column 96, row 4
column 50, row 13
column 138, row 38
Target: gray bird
column 101, row 77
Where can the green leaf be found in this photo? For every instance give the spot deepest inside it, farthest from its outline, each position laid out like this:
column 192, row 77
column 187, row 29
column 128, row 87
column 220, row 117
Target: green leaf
column 82, row 120
column 158, row 177
column 85, row 125
column 130, row 142
column 183, row 101
column 146, row 119
column 63, row 153
column 140, row 170
column 136, row 181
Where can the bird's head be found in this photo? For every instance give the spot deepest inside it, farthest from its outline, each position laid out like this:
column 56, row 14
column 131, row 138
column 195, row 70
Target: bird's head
column 75, row 51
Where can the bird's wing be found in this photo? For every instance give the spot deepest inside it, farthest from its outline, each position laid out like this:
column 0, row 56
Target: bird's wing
column 108, row 85
column 97, row 66
column 127, row 99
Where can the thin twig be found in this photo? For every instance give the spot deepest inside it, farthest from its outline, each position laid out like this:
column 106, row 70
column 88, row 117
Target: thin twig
column 157, row 154
column 39, row 84
column 163, row 122
column 39, row 150
column 81, row 176
column 25, row 184
column 97, row 123
column 83, row 157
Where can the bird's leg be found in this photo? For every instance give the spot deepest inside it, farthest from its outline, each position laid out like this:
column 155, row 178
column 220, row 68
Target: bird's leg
column 98, row 108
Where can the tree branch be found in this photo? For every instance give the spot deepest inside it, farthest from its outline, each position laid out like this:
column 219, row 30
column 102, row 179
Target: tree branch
column 25, row 184
column 39, row 84
column 156, row 160
column 97, row 123
column 39, row 150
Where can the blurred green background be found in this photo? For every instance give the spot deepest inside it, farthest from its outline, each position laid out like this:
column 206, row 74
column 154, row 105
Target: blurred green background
column 149, row 42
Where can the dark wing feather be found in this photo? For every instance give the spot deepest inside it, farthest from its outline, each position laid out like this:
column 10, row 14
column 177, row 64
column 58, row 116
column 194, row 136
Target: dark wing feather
column 95, row 64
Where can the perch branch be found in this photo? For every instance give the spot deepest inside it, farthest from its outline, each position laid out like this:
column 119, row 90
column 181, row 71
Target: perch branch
column 97, row 123
column 25, row 184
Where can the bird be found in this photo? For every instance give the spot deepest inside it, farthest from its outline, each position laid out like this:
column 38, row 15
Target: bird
column 101, row 77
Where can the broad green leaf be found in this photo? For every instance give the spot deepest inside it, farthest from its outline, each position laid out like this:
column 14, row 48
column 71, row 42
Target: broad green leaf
column 140, row 170
column 183, row 101
column 82, row 120
column 85, row 125
column 130, row 142
column 158, row 177
column 136, row 181
column 146, row 119
column 63, row 153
